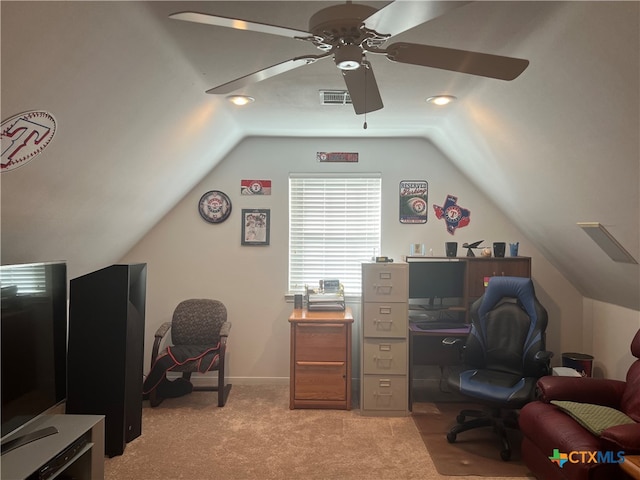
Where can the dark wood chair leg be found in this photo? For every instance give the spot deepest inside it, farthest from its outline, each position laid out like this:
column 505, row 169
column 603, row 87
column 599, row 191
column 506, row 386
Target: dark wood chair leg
column 223, row 393
column 154, row 398
column 223, row 390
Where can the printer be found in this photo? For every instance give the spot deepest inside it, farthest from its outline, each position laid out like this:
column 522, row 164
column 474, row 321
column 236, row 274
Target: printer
column 329, row 296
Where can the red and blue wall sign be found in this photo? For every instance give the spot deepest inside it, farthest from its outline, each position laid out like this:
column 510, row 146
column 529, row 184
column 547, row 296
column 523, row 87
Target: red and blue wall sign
column 454, row 215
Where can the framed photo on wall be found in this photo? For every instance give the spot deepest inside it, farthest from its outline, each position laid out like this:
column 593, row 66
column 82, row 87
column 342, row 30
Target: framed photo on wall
column 255, row 226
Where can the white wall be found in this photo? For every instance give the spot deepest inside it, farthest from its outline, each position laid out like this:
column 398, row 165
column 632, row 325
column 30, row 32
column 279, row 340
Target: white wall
column 188, row 258
column 610, row 328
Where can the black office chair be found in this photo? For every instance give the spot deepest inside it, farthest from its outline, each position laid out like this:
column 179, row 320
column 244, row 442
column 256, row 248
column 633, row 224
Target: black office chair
column 503, row 357
column 199, row 332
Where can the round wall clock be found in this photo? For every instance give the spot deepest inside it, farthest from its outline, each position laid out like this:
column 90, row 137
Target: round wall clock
column 214, row 206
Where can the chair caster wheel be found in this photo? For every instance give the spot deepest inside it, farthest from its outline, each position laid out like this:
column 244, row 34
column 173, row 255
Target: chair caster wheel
column 451, row 437
column 460, row 419
column 505, row 455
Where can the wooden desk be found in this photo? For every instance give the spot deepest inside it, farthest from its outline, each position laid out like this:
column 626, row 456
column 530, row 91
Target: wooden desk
column 631, row 465
column 425, row 348
column 320, row 375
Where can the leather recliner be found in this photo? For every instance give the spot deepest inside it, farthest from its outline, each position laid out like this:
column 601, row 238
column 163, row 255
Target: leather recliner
column 548, row 431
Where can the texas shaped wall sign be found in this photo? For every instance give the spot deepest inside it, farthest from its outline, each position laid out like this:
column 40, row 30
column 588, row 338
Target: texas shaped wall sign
column 454, row 215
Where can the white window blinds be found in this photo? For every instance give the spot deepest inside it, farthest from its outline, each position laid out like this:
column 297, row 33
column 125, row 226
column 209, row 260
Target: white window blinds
column 334, row 226
column 28, row 278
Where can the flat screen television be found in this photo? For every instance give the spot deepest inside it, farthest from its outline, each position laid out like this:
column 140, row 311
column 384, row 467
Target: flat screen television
column 434, row 284
column 34, row 344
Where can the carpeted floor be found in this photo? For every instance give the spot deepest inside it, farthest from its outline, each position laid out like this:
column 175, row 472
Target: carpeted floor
column 256, row 436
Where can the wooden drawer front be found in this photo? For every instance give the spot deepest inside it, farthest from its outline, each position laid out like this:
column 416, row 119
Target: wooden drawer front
column 385, row 392
column 325, row 342
column 320, row 381
column 385, row 283
column 385, row 356
column 385, row 320
column 480, row 268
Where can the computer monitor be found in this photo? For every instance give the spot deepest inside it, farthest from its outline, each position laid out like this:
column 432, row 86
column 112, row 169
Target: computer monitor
column 436, row 284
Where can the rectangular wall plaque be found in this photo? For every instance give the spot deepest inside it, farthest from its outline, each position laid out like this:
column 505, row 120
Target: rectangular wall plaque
column 337, row 157
column 413, row 201
column 255, row 187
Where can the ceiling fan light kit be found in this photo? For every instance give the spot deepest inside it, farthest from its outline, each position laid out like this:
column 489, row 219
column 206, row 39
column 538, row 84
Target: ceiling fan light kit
column 347, row 57
column 349, row 31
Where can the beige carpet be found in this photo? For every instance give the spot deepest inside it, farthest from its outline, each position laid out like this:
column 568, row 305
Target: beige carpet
column 474, row 452
column 256, row 436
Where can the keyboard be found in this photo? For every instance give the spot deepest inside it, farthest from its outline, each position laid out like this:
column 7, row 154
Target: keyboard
column 424, row 317
column 439, row 324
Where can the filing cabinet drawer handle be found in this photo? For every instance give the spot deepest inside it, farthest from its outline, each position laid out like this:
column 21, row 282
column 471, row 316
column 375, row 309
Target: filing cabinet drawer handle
column 377, row 320
column 383, row 289
column 383, row 394
column 379, row 360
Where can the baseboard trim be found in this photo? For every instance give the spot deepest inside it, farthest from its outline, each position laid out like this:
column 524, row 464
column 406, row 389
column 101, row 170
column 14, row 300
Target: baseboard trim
column 212, row 380
column 205, row 380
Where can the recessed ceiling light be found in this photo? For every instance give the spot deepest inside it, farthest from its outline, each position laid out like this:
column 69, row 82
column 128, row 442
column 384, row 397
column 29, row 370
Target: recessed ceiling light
column 441, row 99
column 240, row 99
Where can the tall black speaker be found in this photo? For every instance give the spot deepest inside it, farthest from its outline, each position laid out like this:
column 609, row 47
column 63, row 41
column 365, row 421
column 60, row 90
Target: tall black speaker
column 106, row 349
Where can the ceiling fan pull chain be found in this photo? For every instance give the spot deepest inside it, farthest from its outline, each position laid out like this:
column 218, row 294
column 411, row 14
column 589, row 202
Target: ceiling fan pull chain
column 349, row 30
column 364, row 65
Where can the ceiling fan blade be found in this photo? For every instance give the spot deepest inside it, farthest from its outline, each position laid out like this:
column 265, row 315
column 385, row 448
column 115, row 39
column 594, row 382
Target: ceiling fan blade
column 240, row 24
column 402, row 15
column 265, row 73
column 464, row 61
column 363, row 89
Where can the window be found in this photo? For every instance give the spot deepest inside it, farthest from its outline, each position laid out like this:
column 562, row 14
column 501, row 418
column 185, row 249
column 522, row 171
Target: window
column 334, row 226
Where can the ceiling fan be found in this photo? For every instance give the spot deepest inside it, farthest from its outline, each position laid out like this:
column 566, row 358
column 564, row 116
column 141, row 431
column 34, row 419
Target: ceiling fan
column 347, row 32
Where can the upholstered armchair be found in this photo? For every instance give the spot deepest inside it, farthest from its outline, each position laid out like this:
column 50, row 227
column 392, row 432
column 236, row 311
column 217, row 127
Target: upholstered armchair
column 576, row 414
column 199, row 331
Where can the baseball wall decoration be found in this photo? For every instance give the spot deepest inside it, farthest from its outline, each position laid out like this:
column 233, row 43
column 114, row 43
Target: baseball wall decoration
column 413, row 201
column 454, row 215
column 255, row 187
column 24, row 136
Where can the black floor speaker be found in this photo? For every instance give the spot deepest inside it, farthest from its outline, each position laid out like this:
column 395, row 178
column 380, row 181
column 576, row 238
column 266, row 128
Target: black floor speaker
column 106, row 348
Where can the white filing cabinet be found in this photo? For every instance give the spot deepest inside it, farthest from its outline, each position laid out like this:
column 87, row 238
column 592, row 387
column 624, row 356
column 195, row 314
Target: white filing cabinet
column 384, row 384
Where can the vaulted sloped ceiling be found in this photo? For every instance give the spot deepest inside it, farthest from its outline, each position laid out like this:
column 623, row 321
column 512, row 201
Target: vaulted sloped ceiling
column 556, row 146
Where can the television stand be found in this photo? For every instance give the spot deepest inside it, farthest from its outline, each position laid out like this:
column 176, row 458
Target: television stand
column 77, row 450
column 17, row 442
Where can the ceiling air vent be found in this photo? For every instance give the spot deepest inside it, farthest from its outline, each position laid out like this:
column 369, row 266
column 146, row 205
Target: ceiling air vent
column 334, row 97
